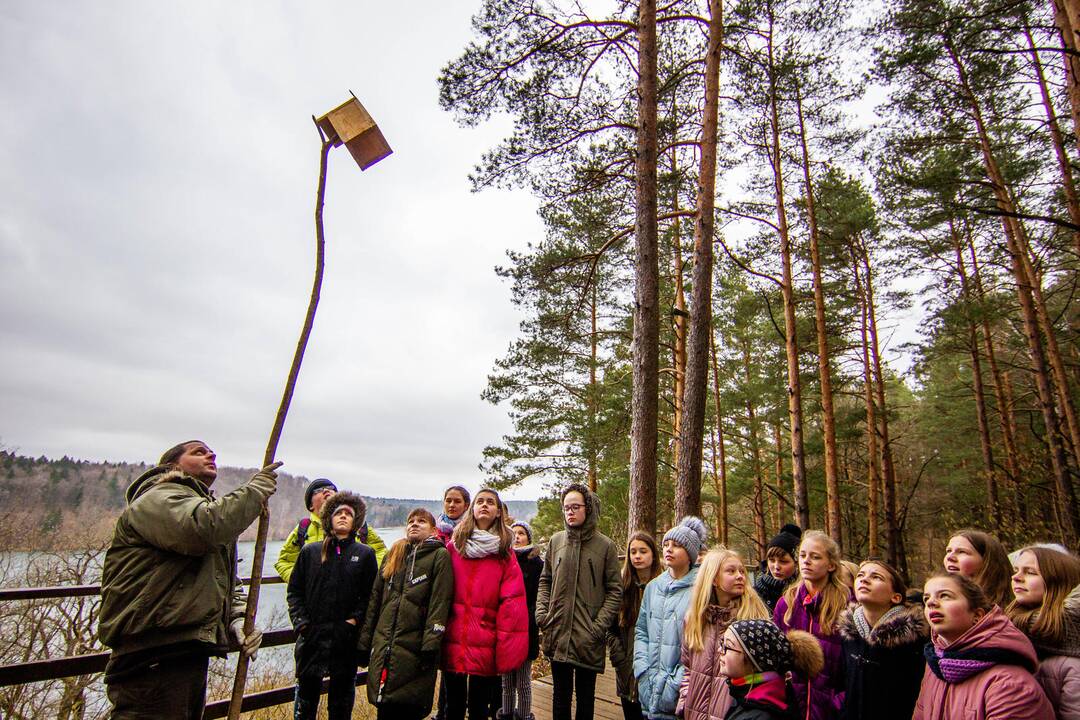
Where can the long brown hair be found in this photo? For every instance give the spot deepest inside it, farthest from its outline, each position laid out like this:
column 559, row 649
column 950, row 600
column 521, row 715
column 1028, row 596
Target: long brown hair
column 1046, row 624
column 631, row 593
column 835, row 594
column 994, row 577
column 395, row 557
column 465, row 528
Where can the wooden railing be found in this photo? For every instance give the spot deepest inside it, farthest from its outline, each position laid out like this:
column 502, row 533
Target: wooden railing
column 57, row 668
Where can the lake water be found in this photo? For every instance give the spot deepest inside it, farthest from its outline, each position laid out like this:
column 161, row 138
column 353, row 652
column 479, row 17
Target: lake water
column 273, row 610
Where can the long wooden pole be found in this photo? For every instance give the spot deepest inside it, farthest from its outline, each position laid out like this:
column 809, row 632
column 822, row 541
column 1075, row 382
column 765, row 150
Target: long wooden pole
column 275, row 435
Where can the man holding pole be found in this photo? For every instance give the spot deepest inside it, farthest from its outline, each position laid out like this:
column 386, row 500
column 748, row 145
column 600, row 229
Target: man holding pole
column 170, row 595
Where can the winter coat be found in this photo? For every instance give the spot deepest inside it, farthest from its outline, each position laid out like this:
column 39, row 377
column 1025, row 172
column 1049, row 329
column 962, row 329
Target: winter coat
column 705, row 693
column 769, row 589
column 824, row 695
column 658, row 643
column 286, row 559
column 771, row 700
column 404, row 627
column 488, row 630
column 531, row 565
column 170, row 573
column 322, row 596
column 883, row 672
column 1005, row 691
column 620, row 642
column 579, row 592
column 1059, row 669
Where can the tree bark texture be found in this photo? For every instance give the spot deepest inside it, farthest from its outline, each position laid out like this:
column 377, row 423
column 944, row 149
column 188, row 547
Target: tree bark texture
column 719, row 452
column 787, row 287
column 692, row 427
column 646, row 358
column 760, row 538
column 873, row 469
column 993, row 510
column 828, row 416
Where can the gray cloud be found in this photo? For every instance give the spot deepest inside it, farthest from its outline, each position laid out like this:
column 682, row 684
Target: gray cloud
column 157, row 175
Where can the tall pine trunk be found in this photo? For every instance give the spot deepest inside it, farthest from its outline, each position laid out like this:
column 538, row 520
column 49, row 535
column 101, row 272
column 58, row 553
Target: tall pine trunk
column 1067, row 20
column 993, row 510
column 873, row 468
column 719, row 452
column 828, row 417
column 755, row 458
column 787, row 288
column 692, row 430
column 1002, row 394
column 1033, row 313
column 893, row 540
column 646, row 342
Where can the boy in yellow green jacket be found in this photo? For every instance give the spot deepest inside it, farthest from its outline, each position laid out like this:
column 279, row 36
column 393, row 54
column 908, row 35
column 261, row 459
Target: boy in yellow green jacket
column 310, row 529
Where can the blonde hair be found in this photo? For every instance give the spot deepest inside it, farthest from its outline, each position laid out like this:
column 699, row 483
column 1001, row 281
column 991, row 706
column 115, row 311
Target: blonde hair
column 835, row 594
column 395, row 558
column 1047, row 624
column 465, row 528
column 747, row 606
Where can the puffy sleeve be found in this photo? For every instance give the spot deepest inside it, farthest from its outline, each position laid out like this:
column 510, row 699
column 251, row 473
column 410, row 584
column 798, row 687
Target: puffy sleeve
column 442, row 596
column 1017, row 696
column 641, row 635
column 512, row 619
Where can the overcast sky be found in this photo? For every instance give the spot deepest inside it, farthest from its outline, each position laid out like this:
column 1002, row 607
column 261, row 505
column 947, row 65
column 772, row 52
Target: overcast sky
column 158, row 166
column 157, row 181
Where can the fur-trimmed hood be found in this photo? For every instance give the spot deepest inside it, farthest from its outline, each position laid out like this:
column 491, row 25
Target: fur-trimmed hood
column 160, row 474
column 342, row 497
column 904, row 628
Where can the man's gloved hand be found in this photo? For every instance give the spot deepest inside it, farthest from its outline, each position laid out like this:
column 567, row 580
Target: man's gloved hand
column 266, row 479
column 249, row 644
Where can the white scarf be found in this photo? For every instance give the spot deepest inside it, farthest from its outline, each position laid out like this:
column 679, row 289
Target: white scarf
column 481, row 544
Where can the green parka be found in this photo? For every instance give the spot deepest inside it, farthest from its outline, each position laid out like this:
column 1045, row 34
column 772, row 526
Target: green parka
column 404, row 628
column 579, row 592
column 170, row 574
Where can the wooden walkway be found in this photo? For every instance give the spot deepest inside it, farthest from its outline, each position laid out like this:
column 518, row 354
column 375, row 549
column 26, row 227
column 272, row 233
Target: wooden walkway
column 608, row 706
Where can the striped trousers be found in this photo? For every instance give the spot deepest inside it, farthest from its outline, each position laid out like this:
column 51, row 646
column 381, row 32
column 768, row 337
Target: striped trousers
column 517, row 693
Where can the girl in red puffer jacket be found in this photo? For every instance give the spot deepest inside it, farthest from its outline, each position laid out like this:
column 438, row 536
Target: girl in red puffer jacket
column 487, row 634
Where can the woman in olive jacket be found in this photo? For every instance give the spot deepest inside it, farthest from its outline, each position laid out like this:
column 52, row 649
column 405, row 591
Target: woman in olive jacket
column 406, row 620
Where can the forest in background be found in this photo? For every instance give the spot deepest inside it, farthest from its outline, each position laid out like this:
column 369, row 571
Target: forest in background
column 740, row 198
column 70, row 504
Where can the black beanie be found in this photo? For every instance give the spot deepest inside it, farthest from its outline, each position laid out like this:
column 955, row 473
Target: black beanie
column 316, row 485
column 788, row 540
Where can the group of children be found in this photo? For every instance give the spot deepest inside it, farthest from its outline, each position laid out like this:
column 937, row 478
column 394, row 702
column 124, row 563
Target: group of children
column 818, row 638
column 813, row 637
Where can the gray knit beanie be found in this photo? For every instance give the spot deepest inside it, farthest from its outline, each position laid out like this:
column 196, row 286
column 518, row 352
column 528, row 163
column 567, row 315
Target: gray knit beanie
column 691, row 533
column 524, row 526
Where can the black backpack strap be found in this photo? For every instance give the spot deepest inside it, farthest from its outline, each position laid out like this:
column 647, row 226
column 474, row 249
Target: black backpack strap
column 301, row 531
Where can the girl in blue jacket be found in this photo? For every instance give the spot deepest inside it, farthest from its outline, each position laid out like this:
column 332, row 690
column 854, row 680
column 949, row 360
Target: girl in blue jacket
column 659, row 629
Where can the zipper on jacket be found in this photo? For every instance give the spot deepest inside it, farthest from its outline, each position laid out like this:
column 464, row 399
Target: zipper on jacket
column 393, row 627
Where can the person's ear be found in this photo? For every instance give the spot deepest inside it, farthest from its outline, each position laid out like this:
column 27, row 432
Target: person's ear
column 897, row 598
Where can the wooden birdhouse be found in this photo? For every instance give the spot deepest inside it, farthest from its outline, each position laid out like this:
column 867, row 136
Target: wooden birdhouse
column 351, row 125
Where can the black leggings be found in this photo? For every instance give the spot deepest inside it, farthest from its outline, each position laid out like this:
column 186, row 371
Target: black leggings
column 567, row 679
column 631, row 709
column 469, row 692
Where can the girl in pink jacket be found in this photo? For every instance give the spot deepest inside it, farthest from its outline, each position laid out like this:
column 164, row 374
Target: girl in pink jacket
column 487, row 634
column 1047, row 609
column 978, row 665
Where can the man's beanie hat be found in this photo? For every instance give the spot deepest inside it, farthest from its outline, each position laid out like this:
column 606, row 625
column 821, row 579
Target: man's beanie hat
column 691, row 533
column 314, row 486
column 765, row 644
column 788, row 539
column 524, row 526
